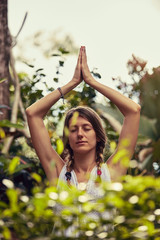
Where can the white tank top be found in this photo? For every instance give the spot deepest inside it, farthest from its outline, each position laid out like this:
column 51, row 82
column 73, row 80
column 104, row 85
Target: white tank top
column 91, row 187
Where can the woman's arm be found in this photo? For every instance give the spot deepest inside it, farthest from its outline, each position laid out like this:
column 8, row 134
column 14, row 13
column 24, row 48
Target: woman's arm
column 39, row 134
column 131, row 112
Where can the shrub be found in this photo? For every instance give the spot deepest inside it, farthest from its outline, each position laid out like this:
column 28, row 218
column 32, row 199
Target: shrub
column 127, row 210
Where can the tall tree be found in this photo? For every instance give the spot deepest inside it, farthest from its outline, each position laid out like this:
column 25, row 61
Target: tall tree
column 5, row 43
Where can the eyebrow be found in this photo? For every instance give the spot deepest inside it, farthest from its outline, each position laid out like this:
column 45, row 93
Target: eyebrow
column 84, row 125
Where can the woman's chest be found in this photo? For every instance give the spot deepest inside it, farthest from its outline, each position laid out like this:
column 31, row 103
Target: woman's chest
column 82, row 178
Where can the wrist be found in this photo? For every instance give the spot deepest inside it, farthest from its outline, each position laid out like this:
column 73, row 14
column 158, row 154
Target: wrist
column 90, row 81
column 68, row 87
column 75, row 82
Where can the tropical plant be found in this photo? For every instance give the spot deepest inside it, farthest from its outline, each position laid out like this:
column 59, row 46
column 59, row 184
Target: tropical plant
column 29, row 205
column 144, row 88
column 127, row 210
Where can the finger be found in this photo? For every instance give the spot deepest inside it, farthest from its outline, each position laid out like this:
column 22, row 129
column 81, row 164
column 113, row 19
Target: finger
column 79, row 57
column 84, row 57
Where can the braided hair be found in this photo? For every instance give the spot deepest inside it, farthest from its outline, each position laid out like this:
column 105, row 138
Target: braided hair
column 95, row 120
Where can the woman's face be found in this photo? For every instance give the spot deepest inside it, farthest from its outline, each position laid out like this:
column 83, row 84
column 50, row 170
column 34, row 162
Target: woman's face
column 82, row 137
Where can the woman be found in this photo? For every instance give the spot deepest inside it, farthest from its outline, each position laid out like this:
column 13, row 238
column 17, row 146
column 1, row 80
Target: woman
column 86, row 139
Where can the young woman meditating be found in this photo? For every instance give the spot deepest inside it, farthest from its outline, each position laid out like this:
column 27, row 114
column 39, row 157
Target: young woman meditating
column 84, row 145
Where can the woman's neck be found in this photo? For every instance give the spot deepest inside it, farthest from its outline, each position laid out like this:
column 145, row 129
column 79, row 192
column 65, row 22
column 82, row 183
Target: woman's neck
column 84, row 162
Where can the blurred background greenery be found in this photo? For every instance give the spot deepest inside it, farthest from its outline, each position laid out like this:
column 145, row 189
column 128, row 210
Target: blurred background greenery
column 28, row 205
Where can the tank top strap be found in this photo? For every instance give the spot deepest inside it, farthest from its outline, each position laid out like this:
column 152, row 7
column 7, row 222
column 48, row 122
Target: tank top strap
column 105, row 176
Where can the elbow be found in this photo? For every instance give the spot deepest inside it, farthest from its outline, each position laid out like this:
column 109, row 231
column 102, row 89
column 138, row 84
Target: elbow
column 138, row 108
column 29, row 112
column 134, row 110
column 32, row 112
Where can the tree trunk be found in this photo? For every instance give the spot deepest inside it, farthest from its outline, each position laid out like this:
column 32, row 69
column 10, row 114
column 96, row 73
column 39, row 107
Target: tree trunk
column 5, row 44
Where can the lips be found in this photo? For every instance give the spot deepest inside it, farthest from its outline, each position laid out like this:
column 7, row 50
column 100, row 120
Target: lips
column 81, row 142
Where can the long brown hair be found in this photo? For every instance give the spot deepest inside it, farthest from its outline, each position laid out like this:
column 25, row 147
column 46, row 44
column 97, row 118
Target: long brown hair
column 95, row 120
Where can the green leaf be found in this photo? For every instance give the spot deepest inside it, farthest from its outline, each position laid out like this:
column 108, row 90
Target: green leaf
column 13, row 164
column 55, row 55
column 40, row 69
column 3, row 205
column 141, row 139
column 13, row 199
column 29, row 65
column 2, row 133
column 61, row 63
column 146, row 162
column 97, row 75
column 114, row 112
column 6, row 233
column 60, row 146
column 63, row 51
column 37, row 177
column 147, row 127
column 3, row 79
column 23, row 166
column 42, row 75
column 7, row 123
column 55, row 80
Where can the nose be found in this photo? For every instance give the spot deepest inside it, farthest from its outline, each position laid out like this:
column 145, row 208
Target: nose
column 80, row 132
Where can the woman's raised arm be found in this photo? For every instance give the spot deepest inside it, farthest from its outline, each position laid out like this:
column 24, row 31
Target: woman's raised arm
column 131, row 112
column 39, row 135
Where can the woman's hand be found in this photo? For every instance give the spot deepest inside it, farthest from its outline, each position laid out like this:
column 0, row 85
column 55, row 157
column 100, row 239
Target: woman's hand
column 77, row 77
column 87, row 76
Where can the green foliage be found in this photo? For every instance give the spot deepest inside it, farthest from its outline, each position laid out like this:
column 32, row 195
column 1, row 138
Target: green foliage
column 148, row 127
column 32, row 209
column 85, row 95
column 29, row 90
column 6, row 123
column 145, row 87
column 60, row 146
column 150, row 98
column 127, row 210
column 3, row 80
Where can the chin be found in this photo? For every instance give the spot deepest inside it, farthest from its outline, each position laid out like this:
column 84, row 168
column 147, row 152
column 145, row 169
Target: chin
column 82, row 150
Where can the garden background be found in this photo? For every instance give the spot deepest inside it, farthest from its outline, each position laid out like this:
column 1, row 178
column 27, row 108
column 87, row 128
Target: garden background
column 34, row 65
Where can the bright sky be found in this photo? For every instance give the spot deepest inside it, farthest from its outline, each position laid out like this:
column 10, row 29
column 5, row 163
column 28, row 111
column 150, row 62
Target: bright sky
column 111, row 30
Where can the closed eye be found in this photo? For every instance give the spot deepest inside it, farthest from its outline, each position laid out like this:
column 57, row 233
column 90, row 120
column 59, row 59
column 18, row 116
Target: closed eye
column 73, row 130
column 87, row 129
